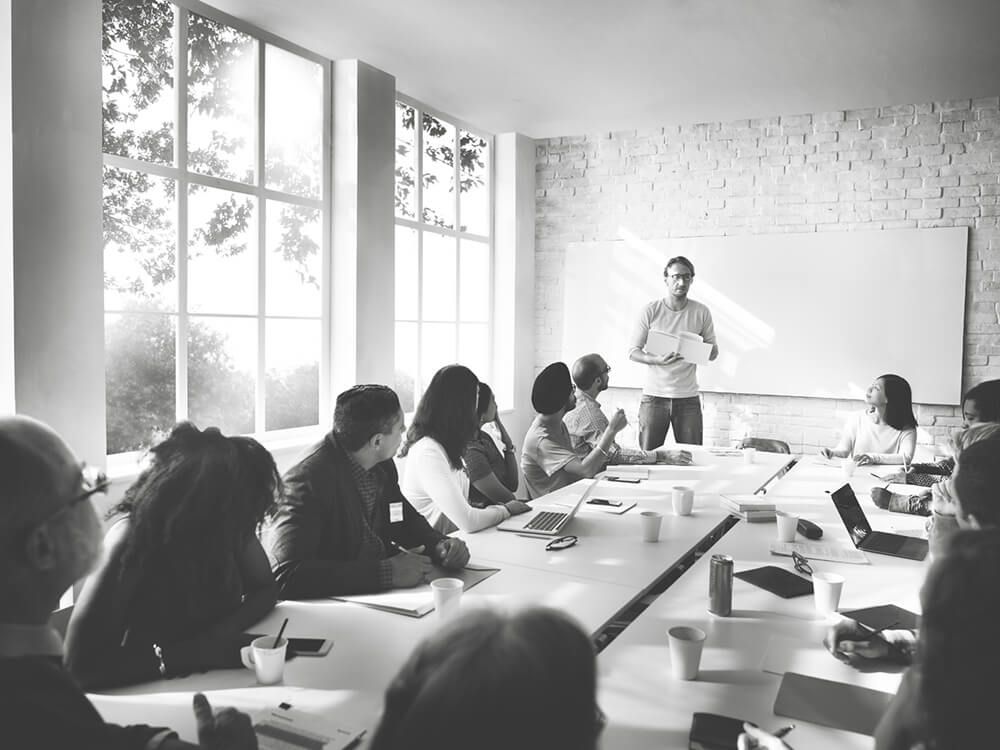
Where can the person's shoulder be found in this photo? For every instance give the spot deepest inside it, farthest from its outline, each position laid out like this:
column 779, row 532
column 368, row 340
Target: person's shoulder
column 320, row 453
column 699, row 308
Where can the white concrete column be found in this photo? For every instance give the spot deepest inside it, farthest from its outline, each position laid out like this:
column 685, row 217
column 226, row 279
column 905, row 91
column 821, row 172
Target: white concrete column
column 57, row 257
column 363, row 264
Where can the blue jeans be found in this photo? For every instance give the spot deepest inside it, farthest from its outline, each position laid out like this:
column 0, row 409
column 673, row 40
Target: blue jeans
column 658, row 414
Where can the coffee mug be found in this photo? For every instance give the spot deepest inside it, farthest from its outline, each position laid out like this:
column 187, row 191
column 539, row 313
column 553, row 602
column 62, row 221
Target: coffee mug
column 265, row 658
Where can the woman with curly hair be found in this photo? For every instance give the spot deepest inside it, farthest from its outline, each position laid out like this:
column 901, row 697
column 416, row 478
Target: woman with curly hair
column 183, row 573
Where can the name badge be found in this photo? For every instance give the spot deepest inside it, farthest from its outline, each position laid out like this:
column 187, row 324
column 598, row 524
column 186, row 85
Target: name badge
column 395, row 512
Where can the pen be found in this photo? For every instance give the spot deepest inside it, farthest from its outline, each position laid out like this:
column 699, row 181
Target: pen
column 877, row 631
column 399, row 548
column 784, row 730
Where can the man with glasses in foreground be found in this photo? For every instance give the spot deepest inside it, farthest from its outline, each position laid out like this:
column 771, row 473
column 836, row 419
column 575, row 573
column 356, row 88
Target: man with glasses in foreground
column 587, row 422
column 670, row 396
column 50, row 537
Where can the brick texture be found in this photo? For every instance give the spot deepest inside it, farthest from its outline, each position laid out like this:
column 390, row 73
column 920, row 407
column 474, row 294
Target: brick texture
column 910, row 165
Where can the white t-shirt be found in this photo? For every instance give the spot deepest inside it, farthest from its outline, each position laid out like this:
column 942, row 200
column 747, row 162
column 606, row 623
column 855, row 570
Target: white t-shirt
column 883, row 443
column 441, row 493
column 544, row 455
column 678, row 379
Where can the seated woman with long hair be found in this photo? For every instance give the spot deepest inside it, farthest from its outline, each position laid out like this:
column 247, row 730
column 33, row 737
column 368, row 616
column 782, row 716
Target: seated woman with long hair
column 183, row 573
column 492, row 473
column 495, row 681
column 434, row 480
column 886, row 431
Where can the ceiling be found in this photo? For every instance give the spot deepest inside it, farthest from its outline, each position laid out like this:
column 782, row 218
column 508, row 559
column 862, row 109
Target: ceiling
column 567, row 67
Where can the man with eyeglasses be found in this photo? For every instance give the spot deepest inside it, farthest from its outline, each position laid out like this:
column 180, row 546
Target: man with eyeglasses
column 587, row 422
column 50, row 537
column 670, row 397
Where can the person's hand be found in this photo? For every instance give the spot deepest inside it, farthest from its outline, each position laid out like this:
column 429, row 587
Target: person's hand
column 516, row 507
column 618, row 421
column 668, row 359
column 848, row 638
column 942, row 501
column 226, row 729
column 753, row 737
column 677, row 457
column 409, row 570
column 826, row 453
column 452, row 553
column 898, row 476
column 714, row 353
column 863, row 459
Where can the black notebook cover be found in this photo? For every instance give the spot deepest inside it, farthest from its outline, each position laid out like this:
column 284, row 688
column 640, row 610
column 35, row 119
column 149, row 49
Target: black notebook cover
column 714, row 732
column 778, row 581
column 885, row 616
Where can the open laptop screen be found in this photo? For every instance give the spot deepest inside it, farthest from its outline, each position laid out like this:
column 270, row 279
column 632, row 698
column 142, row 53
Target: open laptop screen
column 851, row 514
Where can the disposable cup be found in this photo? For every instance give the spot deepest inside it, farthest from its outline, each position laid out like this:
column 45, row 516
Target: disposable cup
column 682, row 499
column 749, row 455
column 847, row 467
column 787, row 526
column 686, row 644
column 265, row 658
column 650, row 521
column 447, row 596
column 827, row 588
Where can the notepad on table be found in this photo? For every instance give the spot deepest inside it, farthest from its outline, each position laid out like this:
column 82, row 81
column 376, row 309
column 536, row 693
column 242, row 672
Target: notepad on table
column 821, row 551
column 418, row 601
column 690, row 346
column 831, row 704
column 287, row 729
column 885, row 616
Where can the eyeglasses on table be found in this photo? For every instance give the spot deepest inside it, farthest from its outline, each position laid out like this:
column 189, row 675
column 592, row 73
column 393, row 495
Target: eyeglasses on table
column 563, row 542
column 801, row 563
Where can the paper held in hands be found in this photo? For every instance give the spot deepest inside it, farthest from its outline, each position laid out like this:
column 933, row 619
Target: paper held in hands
column 690, row 346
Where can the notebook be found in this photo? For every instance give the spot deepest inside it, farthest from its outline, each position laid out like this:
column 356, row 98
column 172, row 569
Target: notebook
column 860, row 531
column 689, row 345
column 884, row 616
column 284, row 728
column 547, row 520
column 831, row 704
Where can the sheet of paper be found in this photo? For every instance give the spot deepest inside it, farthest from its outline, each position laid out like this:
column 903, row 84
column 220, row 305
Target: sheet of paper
column 821, row 551
column 832, row 704
column 288, row 729
column 811, row 658
column 631, row 471
column 418, row 601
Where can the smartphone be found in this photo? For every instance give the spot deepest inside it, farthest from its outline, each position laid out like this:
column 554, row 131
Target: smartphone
column 307, row 646
column 605, row 501
column 626, row 480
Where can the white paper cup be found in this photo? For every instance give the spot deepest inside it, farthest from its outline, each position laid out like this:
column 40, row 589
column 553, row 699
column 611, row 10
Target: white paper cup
column 787, row 526
column 749, row 455
column 827, row 588
column 650, row 521
column 686, row 644
column 847, row 467
column 447, row 596
column 266, row 659
column 683, row 500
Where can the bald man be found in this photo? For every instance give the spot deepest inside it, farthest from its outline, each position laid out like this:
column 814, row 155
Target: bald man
column 50, row 537
column 587, row 422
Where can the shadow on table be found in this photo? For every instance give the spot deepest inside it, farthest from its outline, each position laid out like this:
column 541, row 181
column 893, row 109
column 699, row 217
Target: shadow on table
column 764, row 614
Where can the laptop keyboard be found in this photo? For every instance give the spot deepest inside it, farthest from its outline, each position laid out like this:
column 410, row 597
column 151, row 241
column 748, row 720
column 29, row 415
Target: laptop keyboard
column 545, row 521
column 920, row 479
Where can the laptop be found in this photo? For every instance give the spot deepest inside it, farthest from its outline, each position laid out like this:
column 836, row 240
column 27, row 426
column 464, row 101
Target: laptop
column 864, row 538
column 546, row 520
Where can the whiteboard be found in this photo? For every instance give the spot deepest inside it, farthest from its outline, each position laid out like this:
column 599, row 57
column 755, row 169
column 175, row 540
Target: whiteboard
column 819, row 314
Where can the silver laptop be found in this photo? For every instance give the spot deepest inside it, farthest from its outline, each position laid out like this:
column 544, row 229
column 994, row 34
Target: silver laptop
column 546, row 520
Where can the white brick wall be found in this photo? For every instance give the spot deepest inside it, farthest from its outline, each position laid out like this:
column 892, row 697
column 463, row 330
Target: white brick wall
column 908, row 165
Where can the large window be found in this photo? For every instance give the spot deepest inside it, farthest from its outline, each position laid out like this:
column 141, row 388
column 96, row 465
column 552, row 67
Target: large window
column 444, row 251
column 215, row 226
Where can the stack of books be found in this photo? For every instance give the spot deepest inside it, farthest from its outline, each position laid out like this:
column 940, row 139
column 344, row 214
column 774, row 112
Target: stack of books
column 751, row 508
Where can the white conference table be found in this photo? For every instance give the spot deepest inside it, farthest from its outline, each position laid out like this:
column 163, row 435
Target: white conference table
column 593, row 581
column 647, row 708
column 610, row 547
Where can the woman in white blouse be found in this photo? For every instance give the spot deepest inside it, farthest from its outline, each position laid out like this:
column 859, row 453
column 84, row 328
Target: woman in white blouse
column 435, row 481
column 886, row 431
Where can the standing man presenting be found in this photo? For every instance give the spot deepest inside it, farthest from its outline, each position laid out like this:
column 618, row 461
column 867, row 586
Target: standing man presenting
column 670, row 396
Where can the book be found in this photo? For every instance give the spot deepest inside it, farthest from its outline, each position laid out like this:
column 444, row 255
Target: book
column 741, row 503
column 419, row 600
column 690, row 346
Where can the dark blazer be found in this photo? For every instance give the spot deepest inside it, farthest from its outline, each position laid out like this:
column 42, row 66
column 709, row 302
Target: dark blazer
column 314, row 537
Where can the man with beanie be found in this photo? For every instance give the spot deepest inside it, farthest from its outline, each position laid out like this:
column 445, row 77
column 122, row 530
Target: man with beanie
column 547, row 458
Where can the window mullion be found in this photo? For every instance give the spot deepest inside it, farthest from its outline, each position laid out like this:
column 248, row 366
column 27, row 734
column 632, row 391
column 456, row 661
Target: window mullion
column 457, row 172
column 260, row 425
column 180, row 152
column 418, row 378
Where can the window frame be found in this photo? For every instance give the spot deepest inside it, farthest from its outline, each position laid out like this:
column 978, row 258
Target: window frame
column 421, row 227
column 125, row 463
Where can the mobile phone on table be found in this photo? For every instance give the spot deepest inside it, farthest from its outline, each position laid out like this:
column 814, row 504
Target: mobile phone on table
column 605, row 501
column 626, row 480
column 307, row 646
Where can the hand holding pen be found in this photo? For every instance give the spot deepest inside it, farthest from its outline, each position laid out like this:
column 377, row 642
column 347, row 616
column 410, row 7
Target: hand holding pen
column 408, row 569
column 755, row 737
